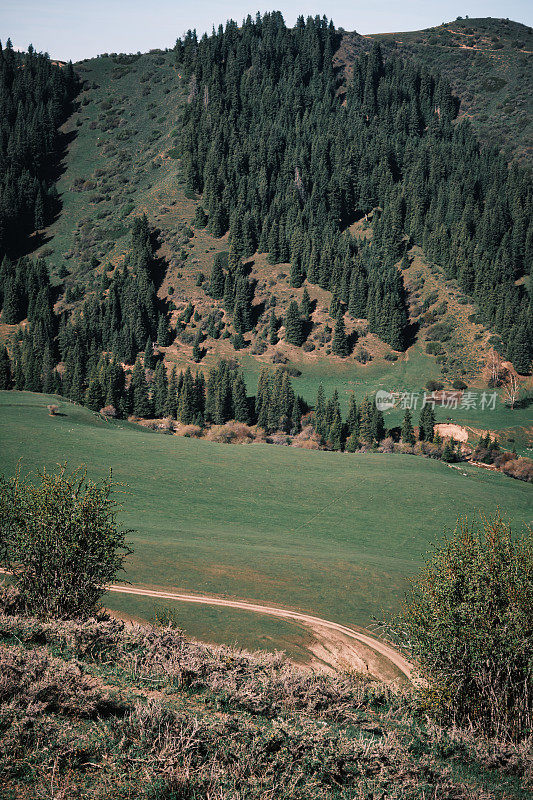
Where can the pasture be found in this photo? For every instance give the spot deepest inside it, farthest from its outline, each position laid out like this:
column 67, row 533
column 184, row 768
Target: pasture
column 332, row 534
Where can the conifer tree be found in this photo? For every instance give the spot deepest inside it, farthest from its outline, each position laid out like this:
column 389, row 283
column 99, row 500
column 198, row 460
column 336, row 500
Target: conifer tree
column 94, row 398
column 77, row 389
column 366, row 432
column 187, row 409
column 48, row 371
column 320, row 412
column 196, row 348
column 217, row 282
column 297, row 275
column 163, row 332
column 305, row 305
column 340, row 345
column 426, row 423
column 296, row 416
column 293, row 325
column 263, row 398
column 200, row 217
column 352, row 443
column 352, row 419
column 408, row 434
column 148, row 359
column 521, row 349
column 229, row 294
column 240, row 401
column 160, row 389
column 5, row 369
column 171, row 401
column 141, row 405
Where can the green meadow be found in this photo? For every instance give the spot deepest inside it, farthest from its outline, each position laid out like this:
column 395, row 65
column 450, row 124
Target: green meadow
column 334, row 534
column 513, row 428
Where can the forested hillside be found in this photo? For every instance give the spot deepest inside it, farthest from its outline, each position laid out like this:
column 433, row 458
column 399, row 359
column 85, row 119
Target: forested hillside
column 487, row 63
column 34, row 100
column 283, row 164
column 280, row 205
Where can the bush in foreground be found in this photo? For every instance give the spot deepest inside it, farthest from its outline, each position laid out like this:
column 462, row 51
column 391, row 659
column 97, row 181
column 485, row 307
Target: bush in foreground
column 60, row 540
column 469, row 625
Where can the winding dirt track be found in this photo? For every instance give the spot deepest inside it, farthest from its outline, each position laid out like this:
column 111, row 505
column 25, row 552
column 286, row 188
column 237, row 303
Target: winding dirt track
column 316, row 623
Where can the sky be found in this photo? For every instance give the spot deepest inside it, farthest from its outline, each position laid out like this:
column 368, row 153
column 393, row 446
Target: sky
column 70, row 29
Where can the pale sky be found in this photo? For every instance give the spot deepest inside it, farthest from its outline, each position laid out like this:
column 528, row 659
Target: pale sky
column 70, row 29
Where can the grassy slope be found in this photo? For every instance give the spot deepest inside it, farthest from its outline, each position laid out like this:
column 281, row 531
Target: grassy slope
column 328, row 533
column 96, row 711
column 127, row 169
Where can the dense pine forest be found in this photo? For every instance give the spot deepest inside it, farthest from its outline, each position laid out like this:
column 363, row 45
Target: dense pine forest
column 35, row 96
column 286, row 156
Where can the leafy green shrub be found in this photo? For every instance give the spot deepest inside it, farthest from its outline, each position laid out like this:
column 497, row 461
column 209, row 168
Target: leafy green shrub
column 468, row 623
column 60, row 541
column 442, row 331
column 434, row 348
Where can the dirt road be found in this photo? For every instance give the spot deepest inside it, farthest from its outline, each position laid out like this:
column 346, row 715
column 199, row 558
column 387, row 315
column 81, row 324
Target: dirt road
column 322, row 628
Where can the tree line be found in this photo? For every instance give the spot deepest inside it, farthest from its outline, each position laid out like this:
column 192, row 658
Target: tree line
column 285, row 155
column 35, row 97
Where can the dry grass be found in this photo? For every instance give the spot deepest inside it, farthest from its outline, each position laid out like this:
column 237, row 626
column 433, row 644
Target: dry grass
column 98, row 710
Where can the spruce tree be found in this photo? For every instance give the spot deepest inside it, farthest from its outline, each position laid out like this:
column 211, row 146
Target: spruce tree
column 160, row 389
column 94, row 398
column 48, row 371
column 408, row 434
column 320, row 412
column 149, row 361
column 293, row 325
column 296, row 416
column 426, row 423
column 141, row 405
column 187, row 409
column 352, row 419
column 366, row 426
column 240, row 401
column 340, row 345
column 305, row 305
column 216, row 284
column 200, row 217
column 171, row 401
column 163, row 332
column 196, row 348
column 5, row 369
column 521, row 349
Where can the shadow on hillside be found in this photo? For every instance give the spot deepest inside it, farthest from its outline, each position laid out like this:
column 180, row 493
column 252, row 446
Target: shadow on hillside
column 35, row 240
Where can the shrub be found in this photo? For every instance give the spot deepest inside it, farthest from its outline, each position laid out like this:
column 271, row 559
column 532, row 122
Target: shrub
column 60, row 540
column 434, row 386
column 52, row 409
column 469, row 624
column 519, row 468
column 307, row 439
column 362, row 355
column 460, row 385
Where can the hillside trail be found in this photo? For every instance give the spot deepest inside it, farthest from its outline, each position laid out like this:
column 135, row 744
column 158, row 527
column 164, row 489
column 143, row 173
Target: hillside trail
column 331, row 636
column 334, row 643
